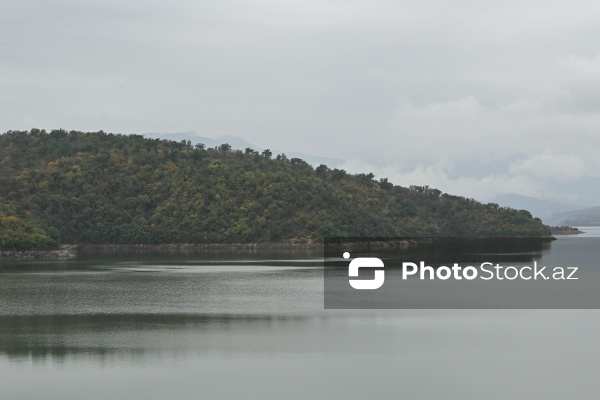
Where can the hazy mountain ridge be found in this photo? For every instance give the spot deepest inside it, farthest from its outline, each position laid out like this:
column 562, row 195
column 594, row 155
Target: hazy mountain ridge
column 238, row 143
column 586, row 217
column 541, row 208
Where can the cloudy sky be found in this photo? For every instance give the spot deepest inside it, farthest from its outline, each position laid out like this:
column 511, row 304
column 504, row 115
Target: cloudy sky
column 474, row 97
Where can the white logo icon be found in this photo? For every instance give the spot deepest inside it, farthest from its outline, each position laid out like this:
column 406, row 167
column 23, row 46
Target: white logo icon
column 365, row 262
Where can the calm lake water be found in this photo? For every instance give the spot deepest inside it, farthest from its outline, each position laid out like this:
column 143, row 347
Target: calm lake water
column 252, row 325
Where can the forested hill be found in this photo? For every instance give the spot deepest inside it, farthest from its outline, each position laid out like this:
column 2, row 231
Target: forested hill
column 105, row 188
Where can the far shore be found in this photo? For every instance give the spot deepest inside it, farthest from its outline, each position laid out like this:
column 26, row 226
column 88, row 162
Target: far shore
column 70, row 250
column 63, row 251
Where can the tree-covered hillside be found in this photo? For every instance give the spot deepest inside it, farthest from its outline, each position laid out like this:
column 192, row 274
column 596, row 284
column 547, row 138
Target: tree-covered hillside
column 107, row 188
column 15, row 234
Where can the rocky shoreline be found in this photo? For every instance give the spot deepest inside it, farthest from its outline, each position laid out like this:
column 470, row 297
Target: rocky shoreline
column 64, row 251
column 70, row 250
column 383, row 243
column 201, row 246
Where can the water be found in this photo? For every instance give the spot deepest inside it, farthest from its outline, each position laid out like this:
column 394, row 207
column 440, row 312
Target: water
column 190, row 326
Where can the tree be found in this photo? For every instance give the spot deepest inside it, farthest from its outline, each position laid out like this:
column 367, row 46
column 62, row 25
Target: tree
column 225, row 147
column 281, row 157
column 385, row 184
column 296, row 160
column 267, row 153
column 322, row 169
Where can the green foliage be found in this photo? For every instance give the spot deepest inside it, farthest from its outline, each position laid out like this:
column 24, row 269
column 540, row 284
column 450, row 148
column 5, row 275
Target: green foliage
column 107, row 188
column 16, row 234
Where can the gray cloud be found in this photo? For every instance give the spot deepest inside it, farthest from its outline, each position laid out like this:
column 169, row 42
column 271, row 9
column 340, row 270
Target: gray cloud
column 474, row 97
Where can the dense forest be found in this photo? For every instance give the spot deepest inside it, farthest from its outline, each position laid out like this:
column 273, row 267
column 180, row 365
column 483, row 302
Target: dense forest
column 15, row 234
column 76, row 187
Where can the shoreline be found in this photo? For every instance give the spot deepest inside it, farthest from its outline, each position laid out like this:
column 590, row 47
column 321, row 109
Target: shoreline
column 383, row 243
column 71, row 250
column 63, row 251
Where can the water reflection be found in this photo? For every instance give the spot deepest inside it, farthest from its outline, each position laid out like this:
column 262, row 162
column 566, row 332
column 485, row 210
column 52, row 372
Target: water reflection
column 56, row 337
column 140, row 326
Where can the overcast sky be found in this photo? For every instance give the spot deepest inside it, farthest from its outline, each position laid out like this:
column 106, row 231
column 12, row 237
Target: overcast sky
column 473, row 97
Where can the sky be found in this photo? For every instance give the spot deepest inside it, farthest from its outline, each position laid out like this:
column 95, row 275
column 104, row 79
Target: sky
column 476, row 98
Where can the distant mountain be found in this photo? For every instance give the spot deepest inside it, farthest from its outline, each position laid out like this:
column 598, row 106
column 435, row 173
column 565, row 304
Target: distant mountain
column 540, row 208
column 586, row 217
column 238, row 143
